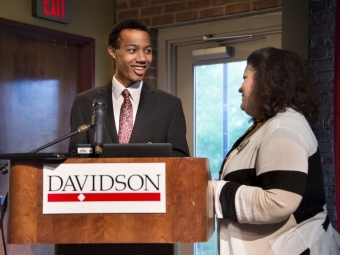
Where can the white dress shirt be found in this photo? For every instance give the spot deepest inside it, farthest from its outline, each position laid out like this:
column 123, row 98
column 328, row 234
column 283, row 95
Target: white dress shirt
column 117, row 98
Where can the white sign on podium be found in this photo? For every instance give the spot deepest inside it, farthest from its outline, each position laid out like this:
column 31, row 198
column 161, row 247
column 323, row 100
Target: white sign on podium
column 104, row 188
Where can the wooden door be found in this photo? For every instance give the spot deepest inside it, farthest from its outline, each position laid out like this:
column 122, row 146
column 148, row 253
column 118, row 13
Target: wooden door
column 41, row 71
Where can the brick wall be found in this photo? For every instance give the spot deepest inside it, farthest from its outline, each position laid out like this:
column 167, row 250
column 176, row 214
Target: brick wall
column 321, row 52
column 166, row 12
column 321, row 57
column 163, row 12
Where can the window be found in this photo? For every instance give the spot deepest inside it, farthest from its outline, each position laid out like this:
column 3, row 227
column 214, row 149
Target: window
column 219, row 121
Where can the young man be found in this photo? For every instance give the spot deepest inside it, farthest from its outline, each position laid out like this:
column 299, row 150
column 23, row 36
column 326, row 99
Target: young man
column 156, row 116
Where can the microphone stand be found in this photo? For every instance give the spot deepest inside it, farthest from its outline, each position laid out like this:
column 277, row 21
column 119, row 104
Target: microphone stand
column 82, row 128
column 3, row 170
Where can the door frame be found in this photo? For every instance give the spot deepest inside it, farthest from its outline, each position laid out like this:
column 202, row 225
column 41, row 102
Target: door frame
column 169, row 41
column 86, row 44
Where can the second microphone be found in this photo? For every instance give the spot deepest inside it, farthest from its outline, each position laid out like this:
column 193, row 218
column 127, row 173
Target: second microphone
column 98, row 122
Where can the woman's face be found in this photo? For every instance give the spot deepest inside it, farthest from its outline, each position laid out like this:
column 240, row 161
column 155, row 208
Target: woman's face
column 248, row 105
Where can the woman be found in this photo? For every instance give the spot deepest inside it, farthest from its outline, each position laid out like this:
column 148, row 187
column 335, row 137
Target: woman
column 270, row 197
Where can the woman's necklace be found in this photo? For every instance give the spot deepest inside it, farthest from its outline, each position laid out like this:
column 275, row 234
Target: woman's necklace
column 243, row 143
column 251, row 131
column 254, row 128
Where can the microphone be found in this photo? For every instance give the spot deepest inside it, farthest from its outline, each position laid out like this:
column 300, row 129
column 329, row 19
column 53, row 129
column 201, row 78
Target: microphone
column 4, row 170
column 80, row 129
column 98, row 122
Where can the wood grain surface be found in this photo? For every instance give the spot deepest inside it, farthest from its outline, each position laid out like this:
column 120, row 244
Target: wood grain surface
column 188, row 217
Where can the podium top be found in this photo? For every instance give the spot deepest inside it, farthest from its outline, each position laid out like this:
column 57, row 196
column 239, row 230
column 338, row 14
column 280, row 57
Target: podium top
column 114, row 150
column 54, row 155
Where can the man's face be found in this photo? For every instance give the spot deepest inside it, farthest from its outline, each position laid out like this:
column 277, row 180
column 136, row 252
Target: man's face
column 134, row 56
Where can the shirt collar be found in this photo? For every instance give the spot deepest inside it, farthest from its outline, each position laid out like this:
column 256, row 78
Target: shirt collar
column 134, row 89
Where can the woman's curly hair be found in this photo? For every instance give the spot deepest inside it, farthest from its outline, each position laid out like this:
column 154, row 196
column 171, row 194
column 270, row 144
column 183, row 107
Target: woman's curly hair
column 283, row 79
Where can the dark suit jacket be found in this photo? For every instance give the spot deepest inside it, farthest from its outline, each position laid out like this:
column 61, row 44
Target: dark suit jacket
column 159, row 119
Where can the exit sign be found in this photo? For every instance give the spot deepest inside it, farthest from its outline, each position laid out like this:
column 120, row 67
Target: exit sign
column 55, row 10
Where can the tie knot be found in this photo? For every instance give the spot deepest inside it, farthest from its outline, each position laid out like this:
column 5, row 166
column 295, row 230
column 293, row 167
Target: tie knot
column 126, row 94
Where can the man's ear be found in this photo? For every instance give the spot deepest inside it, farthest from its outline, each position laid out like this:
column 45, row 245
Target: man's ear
column 112, row 51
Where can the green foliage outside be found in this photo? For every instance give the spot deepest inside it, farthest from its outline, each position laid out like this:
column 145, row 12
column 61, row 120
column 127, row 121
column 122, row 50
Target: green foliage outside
column 209, row 111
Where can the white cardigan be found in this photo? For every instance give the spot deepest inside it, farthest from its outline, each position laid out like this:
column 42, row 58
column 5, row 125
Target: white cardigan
column 270, row 197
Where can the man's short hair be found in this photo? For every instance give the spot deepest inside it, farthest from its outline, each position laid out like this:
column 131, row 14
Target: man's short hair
column 115, row 31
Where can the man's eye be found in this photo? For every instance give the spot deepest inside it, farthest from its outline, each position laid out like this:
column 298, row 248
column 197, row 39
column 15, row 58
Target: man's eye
column 131, row 50
column 148, row 51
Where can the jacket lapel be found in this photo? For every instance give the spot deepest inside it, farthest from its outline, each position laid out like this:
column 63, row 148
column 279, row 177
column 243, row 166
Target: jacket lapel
column 109, row 118
column 145, row 104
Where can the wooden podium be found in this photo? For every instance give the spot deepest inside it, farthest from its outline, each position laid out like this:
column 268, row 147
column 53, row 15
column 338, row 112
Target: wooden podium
column 189, row 212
